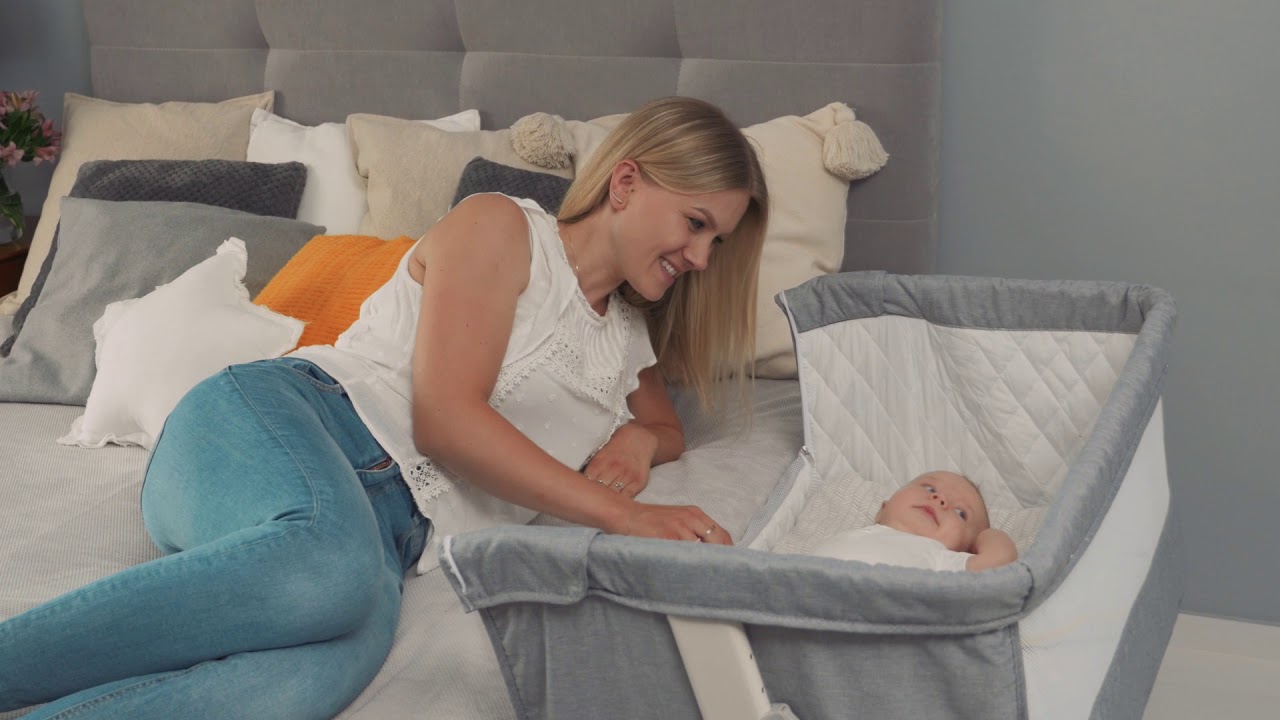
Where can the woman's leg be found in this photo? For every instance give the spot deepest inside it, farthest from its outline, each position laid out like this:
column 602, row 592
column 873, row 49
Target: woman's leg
column 254, row 481
column 315, row 680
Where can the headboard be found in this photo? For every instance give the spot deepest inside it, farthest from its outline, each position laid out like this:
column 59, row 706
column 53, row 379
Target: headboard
column 580, row 59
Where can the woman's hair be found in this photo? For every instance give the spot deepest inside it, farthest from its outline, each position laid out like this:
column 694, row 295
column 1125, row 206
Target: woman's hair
column 703, row 329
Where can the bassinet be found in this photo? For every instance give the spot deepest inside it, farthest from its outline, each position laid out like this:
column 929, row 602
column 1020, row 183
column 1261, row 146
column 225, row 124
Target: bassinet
column 1046, row 394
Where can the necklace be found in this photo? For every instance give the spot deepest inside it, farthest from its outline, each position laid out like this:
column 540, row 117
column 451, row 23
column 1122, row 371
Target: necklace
column 573, row 255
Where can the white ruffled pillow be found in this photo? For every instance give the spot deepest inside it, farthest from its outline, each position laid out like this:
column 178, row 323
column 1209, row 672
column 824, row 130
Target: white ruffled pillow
column 335, row 194
column 153, row 349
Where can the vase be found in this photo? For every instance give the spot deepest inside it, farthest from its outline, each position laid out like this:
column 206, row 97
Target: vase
column 11, row 221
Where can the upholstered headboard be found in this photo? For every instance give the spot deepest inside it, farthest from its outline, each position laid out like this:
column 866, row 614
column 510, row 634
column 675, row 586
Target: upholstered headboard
column 580, row 59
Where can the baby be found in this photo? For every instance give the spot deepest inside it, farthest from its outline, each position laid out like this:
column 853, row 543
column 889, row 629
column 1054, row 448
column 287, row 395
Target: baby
column 937, row 521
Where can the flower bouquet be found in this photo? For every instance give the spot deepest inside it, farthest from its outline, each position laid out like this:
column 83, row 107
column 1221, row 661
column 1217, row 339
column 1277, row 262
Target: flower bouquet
column 25, row 136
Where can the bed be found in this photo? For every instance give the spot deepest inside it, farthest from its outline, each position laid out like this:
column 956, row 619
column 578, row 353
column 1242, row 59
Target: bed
column 822, row 86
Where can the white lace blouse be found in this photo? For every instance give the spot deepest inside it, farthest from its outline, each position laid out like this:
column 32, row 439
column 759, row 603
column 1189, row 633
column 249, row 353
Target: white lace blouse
column 564, row 379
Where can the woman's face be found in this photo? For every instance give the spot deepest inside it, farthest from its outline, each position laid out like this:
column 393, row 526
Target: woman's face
column 662, row 234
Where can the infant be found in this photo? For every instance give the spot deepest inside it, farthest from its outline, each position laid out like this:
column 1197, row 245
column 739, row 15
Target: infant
column 937, row 521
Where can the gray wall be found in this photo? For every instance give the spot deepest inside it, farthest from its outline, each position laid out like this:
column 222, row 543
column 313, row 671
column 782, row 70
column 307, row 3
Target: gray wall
column 43, row 47
column 1100, row 139
column 1138, row 140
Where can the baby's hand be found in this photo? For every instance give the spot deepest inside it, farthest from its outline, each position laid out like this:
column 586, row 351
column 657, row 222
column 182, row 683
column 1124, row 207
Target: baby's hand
column 992, row 548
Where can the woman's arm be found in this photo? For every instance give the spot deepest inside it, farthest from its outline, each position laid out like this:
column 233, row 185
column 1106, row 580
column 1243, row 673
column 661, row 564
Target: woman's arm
column 652, row 438
column 473, row 265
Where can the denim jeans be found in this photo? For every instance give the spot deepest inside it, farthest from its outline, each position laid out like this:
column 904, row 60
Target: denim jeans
column 287, row 531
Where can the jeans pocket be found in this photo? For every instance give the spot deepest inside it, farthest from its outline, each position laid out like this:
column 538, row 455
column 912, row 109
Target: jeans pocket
column 312, row 373
column 379, row 473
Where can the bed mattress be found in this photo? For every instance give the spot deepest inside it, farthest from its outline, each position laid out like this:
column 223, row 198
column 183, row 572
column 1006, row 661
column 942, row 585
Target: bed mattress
column 72, row 515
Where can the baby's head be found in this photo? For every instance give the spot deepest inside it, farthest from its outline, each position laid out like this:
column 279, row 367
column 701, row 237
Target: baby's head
column 941, row 505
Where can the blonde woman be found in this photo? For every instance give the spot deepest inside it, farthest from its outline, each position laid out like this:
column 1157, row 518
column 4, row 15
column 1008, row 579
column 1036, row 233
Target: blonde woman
column 514, row 364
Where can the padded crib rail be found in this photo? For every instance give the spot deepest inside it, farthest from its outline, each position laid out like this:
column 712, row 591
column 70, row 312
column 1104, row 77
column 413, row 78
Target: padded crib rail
column 563, row 566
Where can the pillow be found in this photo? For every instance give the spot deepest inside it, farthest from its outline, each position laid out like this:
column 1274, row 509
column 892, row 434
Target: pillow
column 411, row 170
column 152, row 350
column 335, row 195
column 94, row 129
column 808, row 163
column 328, row 280
column 481, row 176
column 252, row 187
column 111, row 251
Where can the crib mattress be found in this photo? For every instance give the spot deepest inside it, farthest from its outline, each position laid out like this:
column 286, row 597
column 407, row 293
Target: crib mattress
column 1045, row 393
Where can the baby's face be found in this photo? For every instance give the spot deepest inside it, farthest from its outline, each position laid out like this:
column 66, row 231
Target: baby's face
column 940, row 505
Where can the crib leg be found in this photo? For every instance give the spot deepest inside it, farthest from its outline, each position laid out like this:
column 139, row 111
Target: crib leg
column 722, row 670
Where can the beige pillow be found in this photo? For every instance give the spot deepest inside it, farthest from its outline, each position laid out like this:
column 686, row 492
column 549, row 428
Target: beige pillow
column 96, row 129
column 808, row 163
column 412, row 170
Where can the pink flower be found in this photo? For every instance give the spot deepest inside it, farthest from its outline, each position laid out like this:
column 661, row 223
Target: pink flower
column 46, row 154
column 25, row 133
column 10, row 154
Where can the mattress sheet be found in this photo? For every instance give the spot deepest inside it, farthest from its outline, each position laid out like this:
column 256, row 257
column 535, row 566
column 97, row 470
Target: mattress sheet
column 71, row 515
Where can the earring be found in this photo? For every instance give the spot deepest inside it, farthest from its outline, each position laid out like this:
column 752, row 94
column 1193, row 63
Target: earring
column 615, row 197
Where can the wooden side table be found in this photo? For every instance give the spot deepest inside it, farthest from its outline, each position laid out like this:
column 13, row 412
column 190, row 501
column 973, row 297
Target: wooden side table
column 13, row 256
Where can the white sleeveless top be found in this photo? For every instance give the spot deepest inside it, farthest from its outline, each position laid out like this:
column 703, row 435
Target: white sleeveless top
column 564, row 379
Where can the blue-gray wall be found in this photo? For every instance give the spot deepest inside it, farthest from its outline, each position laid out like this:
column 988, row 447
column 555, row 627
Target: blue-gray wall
column 44, row 47
column 1139, row 140
column 1132, row 140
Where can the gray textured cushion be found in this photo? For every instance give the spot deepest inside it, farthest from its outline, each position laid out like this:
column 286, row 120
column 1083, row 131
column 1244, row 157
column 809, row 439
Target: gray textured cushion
column 481, row 175
column 259, row 188
column 112, row 251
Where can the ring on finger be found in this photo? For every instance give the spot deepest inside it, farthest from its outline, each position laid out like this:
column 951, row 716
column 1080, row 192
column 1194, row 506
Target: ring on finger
column 709, row 530
column 618, row 485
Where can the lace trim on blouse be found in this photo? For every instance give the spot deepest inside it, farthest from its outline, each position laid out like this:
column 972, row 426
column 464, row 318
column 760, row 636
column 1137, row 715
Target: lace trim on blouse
column 590, row 354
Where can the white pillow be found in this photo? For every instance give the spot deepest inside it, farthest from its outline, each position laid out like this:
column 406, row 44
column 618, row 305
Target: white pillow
column 153, row 349
column 335, row 194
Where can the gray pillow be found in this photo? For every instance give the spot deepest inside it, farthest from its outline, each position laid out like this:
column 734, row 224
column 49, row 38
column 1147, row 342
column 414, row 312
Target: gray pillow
column 114, row 251
column 259, row 188
column 481, row 175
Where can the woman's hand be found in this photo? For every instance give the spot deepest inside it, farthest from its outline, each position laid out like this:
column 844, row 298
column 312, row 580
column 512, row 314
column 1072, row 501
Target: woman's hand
column 671, row 522
column 623, row 463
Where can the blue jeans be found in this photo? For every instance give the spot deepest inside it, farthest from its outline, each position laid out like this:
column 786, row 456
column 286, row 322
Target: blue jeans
column 288, row 531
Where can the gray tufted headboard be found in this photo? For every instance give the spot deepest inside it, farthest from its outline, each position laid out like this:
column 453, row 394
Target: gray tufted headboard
column 580, row 59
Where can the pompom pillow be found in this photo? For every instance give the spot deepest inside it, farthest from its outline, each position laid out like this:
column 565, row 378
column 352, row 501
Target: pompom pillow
column 808, row 163
column 329, row 279
column 153, row 349
column 95, row 129
column 335, row 194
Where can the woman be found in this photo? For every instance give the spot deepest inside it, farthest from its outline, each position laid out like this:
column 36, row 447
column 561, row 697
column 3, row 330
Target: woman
column 509, row 348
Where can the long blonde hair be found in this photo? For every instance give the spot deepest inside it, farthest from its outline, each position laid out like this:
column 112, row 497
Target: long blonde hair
column 703, row 329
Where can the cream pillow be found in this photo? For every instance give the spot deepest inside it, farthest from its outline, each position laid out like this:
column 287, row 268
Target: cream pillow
column 411, row 170
column 334, row 196
column 96, row 129
column 153, row 349
column 808, row 163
